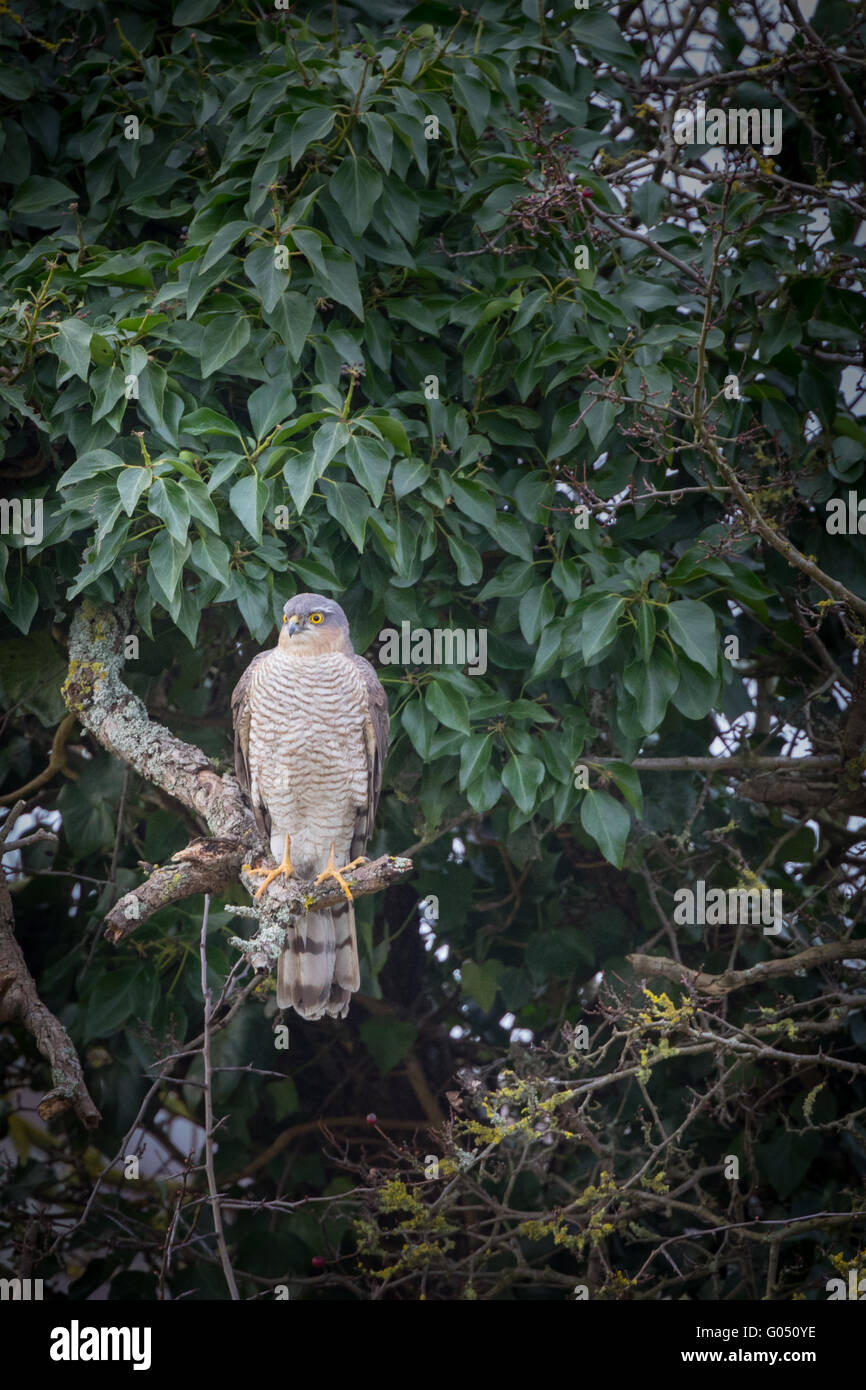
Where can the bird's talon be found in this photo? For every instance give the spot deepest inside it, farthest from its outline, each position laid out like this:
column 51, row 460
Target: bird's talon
column 331, row 871
column 285, row 870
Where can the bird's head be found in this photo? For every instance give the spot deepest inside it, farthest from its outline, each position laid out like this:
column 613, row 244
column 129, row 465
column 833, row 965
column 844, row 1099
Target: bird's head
column 313, row 625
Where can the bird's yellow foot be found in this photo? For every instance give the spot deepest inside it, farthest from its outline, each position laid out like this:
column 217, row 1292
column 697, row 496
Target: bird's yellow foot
column 286, row 869
column 331, row 871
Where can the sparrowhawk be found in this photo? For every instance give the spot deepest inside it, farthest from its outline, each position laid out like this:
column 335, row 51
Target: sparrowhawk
column 311, row 736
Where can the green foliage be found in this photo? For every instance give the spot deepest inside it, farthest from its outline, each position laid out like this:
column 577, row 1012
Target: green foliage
column 316, row 325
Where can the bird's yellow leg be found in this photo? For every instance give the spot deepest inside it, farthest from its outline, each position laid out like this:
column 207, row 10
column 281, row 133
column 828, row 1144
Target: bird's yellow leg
column 286, row 869
column 331, row 871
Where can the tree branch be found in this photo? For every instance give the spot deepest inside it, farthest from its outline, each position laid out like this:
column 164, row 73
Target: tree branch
column 205, row 866
column 207, row 999
column 297, row 898
column 795, row 557
column 719, row 985
column 20, row 1003
column 56, row 763
column 746, row 765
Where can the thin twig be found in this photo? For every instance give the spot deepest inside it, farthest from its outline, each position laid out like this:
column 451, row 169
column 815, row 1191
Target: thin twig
column 208, row 1114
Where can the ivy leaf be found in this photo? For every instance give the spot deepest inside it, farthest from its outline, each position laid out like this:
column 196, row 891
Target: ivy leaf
column 391, row 428
column 474, row 757
column 370, row 463
column 223, row 338
column 522, row 776
column 212, row 556
column 73, row 347
column 481, row 982
column 652, row 683
column 262, row 271
column 268, row 405
column 356, row 187
column 223, row 241
column 692, row 625
column 381, row 136
column 600, row 619
column 311, row 125
column 301, row 473
column 607, row 822
column 200, row 504
column 88, row 465
column 646, row 629
column 131, row 483
column 628, row 782
column 292, row 318
column 408, row 475
column 248, row 500
column 349, row 506
column 167, row 500
column 420, row 724
column 340, row 279
column 697, row 692
column 535, row 611
column 467, row 560
column 475, row 500
column 167, row 557
column 112, row 1000
column 23, row 602
column 447, row 704
column 328, row 441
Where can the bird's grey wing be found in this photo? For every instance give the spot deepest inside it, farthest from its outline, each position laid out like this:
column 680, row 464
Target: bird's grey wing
column 377, row 732
column 241, row 718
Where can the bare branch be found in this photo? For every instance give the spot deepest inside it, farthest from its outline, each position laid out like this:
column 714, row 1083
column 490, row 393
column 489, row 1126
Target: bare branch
column 208, row 1114
column 729, row 980
column 20, row 1003
column 56, row 763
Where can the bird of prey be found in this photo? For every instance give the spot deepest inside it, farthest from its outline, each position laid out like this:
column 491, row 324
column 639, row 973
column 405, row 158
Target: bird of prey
column 311, row 735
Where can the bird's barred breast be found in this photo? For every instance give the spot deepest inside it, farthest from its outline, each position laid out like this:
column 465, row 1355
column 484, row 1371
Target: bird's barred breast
column 308, row 752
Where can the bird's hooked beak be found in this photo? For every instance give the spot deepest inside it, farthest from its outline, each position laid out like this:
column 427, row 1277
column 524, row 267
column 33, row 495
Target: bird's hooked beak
column 295, row 624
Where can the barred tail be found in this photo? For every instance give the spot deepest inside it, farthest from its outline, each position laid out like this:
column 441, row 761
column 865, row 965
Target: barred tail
column 319, row 970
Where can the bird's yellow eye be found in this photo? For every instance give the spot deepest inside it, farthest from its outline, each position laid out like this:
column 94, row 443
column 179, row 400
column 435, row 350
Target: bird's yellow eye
column 317, row 618
column 285, row 619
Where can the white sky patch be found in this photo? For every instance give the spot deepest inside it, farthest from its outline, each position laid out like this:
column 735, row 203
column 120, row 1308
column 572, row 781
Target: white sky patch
column 811, row 427
column 852, row 384
column 32, row 820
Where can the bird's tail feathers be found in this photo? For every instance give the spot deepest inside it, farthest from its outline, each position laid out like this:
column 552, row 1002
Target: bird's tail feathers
column 319, row 970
